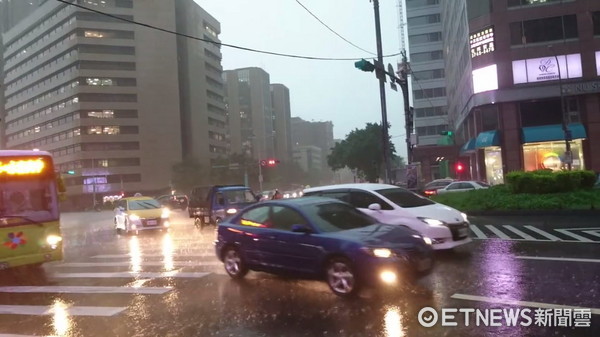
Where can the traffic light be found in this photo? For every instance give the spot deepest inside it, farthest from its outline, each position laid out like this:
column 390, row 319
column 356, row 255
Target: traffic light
column 447, row 133
column 272, row 162
column 71, row 172
column 364, row 65
column 459, row 167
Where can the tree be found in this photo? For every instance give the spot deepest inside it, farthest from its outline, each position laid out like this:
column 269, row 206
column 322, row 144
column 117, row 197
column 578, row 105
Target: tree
column 361, row 151
column 187, row 174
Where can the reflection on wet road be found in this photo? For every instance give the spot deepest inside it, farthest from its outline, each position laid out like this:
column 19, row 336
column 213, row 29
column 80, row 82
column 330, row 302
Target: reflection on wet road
column 171, row 284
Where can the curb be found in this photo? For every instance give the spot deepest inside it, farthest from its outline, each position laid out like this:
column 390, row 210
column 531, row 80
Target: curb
column 537, row 212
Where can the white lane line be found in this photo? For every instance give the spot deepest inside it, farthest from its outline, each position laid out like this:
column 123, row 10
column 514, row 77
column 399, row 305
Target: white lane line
column 519, row 233
column 497, row 232
column 573, row 235
column 548, row 258
column 593, row 233
column 49, row 310
column 15, row 335
column 86, row 290
column 131, row 275
column 493, row 300
column 543, row 233
column 128, row 256
column 143, row 264
column 478, row 233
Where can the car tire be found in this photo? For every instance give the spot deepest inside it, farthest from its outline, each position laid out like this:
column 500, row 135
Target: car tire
column 341, row 277
column 234, row 263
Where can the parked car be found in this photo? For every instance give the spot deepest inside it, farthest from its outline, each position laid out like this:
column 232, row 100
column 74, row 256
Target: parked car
column 321, row 238
column 178, row 201
column 462, row 186
column 432, row 187
column 446, row 226
column 140, row 213
column 212, row 204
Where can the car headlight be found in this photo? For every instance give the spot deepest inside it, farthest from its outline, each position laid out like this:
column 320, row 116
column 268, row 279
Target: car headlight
column 432, row 222
column 133, row 217
column 294, row 195
column 427, row 240
column 231, row 211
column 464, row 215
column 378, row 252
column 165, row 213
column 53, row 240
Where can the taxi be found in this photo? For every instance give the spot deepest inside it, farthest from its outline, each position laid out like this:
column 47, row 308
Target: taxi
column 140, row 213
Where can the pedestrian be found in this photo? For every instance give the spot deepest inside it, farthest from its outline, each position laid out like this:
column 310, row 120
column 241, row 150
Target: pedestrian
column 277, row 195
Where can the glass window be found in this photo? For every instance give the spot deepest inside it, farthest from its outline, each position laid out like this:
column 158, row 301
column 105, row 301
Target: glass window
column 362, row 199
column 256, row 217
column 404, row 198
column 551, row 155
column 335, row 217
column 542, row 30
column 423, row 19
column 284, row 218
column 135, row 205
column 239, row 196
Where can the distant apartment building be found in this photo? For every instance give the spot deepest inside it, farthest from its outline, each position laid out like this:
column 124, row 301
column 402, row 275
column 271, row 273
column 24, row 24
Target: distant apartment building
column 251, row 119
column 309, row 157
column 108, row 103
column 280, row 96
column 319, row 134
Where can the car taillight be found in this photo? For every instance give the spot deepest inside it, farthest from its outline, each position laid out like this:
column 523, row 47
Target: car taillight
column 430, row 192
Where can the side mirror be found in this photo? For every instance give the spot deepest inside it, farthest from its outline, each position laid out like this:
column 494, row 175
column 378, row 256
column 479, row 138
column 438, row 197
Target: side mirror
column 301, row 229
column 375, row 207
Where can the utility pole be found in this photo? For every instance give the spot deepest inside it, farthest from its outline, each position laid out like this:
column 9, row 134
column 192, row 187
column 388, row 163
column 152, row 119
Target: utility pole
column 403, row 72
column 565, row 119
column 381, row 76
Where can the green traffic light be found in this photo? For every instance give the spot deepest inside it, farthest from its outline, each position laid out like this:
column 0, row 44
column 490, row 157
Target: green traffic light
column 364, row 65
column 447, row 133
column 70, row 172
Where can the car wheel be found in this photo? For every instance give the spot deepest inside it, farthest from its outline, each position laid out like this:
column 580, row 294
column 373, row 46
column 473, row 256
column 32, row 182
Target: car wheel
column 234, row 264
column 341, row 277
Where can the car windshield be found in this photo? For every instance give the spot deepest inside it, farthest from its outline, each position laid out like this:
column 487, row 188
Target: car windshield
column 239, row 196
column 335, row 217
column 404, row 198
column 136, row 205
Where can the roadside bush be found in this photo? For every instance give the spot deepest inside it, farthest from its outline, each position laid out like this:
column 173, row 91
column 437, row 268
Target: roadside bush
column 546, row 181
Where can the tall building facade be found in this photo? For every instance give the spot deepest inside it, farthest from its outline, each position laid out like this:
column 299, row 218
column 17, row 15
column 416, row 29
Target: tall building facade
column 100, row 96
column 280, row 96
column 426, row 58
column 525, row 80
column 251, row 119
column 319, row 134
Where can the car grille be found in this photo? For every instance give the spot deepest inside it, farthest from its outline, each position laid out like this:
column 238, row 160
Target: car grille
column 455, row 229
column 151, row 222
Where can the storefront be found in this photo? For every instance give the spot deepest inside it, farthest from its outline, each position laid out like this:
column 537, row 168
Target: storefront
column 489, row 141
column 544, row 147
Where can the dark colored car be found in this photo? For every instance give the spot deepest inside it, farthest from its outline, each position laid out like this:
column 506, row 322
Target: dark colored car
column 178, row 201
column 321, row 238
column 210, row 205
column 432, row 187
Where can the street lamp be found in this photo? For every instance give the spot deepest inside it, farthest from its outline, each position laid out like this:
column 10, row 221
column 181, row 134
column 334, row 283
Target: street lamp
column 565, row 116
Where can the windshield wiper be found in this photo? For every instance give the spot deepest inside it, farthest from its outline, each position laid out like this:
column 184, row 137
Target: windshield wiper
column 2, row 217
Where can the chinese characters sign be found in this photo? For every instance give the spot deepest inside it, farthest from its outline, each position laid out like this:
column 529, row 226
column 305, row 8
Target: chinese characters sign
column 482, row 42
column 547, row 68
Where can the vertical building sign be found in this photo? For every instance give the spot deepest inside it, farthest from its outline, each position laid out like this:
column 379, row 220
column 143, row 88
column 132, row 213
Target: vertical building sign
column 482, row 42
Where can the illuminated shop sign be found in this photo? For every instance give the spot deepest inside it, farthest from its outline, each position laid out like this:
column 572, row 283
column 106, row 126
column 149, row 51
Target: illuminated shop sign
column 485, row 79
column 546, row 68
column 482, row 42
column 598, row 63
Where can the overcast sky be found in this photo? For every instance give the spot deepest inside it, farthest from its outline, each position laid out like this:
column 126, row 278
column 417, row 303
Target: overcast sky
column 319, row 90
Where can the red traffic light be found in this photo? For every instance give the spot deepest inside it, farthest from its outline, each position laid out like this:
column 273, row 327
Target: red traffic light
column 269, row 162
column 459, row 167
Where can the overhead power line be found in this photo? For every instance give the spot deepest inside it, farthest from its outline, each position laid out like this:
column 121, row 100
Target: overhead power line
column 315, row 58
column 330, row 29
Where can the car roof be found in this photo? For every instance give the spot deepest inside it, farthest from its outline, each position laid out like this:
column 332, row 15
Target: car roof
column 361, row 186
column 137, row 198
column 232, row 188
column 299, row 202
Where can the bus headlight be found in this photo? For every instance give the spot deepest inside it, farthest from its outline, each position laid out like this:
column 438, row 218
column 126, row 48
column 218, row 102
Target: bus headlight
column 165, row 213
column 133, row 217
column 231, row 211
column 53, row 240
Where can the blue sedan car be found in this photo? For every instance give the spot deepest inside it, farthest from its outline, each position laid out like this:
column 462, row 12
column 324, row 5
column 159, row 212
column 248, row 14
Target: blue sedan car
column 321, row 238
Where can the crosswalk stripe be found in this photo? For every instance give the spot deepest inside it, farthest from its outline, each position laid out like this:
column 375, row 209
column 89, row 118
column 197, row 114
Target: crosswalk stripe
column 569, row 259
column 142, row 264
column 543, row 233
column 595, row 311
column 478, row 233
column 128, row 256
column 593, row 233
column 519, row 233
column 169, row 274
column 497, row 232
column 86, row 290
column 573, row 235
column 50, row 310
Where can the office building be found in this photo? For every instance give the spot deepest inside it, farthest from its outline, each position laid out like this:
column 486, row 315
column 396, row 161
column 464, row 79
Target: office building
column 319, row 134
column 280, row 96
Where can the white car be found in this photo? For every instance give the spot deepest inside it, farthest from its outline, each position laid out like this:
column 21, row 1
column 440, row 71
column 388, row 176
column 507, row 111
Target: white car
column 462, row 186
column 445, row 226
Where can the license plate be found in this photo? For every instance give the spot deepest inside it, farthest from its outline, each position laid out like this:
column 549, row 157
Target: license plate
column 206, row 219
column 424, row 264
column 152, row 222
column 463, row 232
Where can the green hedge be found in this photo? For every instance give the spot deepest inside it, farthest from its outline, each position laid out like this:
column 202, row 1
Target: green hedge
column 501, row 198
column 547, row 181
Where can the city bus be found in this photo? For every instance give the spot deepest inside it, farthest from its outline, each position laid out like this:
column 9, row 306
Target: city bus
column 29, row 214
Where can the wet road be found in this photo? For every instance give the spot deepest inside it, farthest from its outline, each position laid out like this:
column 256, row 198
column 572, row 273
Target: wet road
column 171, row 284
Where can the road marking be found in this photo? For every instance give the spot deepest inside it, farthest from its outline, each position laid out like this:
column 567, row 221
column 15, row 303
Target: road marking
column 543, row 233
column 86, row 290
column 573, row 235
column 580, row 228
column 519, row 233
column 493, row 300
column 128, row 256
column 15, row 335
column 593, row 233
column 497, row 232
column 143, row 264
column 49, row 310
column 174, row 274
column 570, row 259
column 478, row 233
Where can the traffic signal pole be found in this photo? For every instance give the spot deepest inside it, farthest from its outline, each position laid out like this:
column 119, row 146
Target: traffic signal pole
column 381, row 76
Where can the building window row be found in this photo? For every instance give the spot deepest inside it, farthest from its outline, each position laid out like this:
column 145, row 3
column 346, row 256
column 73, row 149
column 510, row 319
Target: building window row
column 429, row 74
column 216, row 136
column 65, row 151
column 106, row 34
column 212, row 69
column 88, row 130
column 424, row 20
column 433, row 130
column 58, row 106
column 45, row 126
column 33, row 71
column 52, row 93
column 217, row 149
column 212, row 55
column 427, row 56
column 425, row 38
column 90, row 16
column 105, row 49
column 216, row 109
column 429, row 93
column 213, row 95
column 38, row 28
column 421, row 3
column 431, row 111
column 543, row 30
column 216, row 122
column 57, row 137
column 210, row 30
column 98, row 162
column 213, row 83
column 110, row 146
column 107, row 3
column 516, row 3
column 104, row 114
column 104, row 179
column 47, row 79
